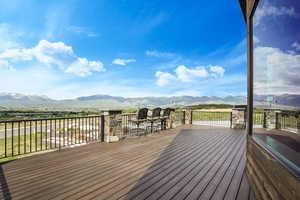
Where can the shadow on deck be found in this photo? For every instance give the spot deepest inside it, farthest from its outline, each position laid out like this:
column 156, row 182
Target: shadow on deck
column 195, row 163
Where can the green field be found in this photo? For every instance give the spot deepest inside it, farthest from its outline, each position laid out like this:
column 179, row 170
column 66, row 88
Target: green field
column 17, row 145
column 211, row 116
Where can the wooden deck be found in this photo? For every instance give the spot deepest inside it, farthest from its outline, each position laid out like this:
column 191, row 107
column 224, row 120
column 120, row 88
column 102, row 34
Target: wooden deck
column 189, row 164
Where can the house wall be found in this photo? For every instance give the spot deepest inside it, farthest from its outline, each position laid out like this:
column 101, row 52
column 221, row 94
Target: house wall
column 268, row 177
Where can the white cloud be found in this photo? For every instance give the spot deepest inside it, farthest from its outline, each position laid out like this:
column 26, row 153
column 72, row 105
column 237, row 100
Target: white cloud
column 296, row 45
column 267, row 10
column 82, row 67
column 186, row 75
column 54, row 53
column 164, row 78
column 276, row 71
column 217, row 71
column 119, row 61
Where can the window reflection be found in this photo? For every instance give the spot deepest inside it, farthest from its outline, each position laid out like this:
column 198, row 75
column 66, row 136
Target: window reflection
column 276, row 36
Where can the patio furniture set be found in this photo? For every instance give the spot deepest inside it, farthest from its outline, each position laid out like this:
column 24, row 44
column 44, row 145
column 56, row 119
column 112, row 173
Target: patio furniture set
column 152, row 121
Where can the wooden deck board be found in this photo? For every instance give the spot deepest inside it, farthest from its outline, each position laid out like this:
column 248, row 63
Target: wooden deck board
column 197, row 163
column 244, row 189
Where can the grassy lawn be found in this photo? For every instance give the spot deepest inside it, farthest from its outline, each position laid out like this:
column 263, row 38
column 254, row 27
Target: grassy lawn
column 21, row 145
column 222, row 116
column 211, row 116
column 17, row 147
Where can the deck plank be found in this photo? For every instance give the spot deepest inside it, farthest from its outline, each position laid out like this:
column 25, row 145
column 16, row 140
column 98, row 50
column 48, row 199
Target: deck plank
column 155, row 171
column 244, row 189
column 169, row 189
column 212, row 169
column 189, row 163
column 165, row 158
column 204, row 162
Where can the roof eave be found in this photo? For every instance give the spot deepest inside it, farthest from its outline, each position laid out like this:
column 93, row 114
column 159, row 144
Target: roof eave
column 243, row 7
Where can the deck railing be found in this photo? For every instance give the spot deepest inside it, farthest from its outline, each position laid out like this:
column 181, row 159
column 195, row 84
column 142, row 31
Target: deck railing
column 178, row 118
column 259, row 119
column 19, row 137
column 287, row 122
column 212, row 118
column 127, row 124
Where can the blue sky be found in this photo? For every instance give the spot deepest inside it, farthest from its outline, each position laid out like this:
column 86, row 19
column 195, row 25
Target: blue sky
column 66, row 49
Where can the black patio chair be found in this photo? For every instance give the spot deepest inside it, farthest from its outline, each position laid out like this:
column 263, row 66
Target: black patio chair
column 141, row 117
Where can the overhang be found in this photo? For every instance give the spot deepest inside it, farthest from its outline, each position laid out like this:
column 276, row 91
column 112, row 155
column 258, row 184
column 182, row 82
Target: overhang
column 243, row 7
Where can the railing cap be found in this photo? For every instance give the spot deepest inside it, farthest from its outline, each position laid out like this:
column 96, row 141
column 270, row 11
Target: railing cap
column 112, row 112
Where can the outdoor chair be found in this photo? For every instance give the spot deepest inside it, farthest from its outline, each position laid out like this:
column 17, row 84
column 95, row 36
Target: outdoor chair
column 154, row 118
column 141, row 117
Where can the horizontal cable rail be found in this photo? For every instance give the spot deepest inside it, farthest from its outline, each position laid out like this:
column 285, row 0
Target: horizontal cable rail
column 212, row 118
column 18, row 137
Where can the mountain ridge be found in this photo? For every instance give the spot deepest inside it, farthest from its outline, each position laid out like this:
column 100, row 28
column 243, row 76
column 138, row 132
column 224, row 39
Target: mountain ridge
column 102, row 101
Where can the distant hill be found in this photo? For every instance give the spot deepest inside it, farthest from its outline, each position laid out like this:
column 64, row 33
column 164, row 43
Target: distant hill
column 21, row 101
column 100, row 102
column 281, row 101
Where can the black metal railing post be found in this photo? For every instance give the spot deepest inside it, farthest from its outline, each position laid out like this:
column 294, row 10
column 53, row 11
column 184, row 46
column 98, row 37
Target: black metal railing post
column 5, row 132
column 183, row 117
column 278, row 124
column 102, row 128
column 231, row 119
column 264, row 120
column 191, row 122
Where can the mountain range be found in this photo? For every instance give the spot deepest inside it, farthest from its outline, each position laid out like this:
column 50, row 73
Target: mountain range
column 281, row 101
column 21, row 101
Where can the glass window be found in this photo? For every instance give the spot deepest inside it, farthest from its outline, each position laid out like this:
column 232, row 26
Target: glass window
column 276, row 37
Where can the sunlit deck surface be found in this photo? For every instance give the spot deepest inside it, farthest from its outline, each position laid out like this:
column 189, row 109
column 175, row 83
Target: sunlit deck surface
column 194, row 163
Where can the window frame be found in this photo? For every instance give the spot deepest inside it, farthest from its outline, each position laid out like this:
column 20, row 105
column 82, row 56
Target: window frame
column 250, row 82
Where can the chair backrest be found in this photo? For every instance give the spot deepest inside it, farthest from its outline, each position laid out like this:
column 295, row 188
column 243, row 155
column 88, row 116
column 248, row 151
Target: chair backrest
column 142, row 113
column 156, row 112
column 167, row 112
